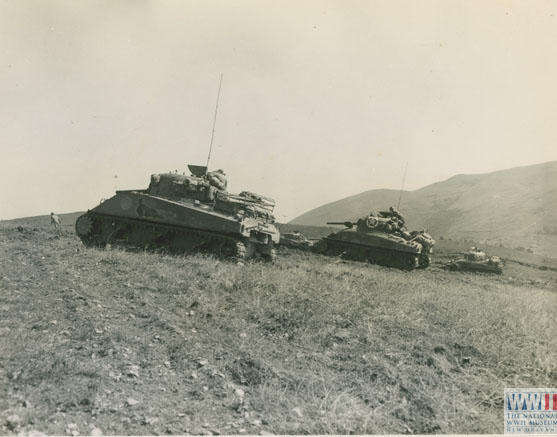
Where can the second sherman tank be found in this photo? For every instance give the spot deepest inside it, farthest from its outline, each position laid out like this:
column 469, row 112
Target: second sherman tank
column 476, row 260
column 295, row 240
column 180, row 213
column 380, row 239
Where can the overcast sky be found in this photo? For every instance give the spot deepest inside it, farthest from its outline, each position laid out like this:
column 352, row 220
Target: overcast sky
column 320, row 99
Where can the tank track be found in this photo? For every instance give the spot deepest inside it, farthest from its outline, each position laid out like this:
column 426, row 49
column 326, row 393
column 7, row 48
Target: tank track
column 372, row 255
column 98, row 230
column 270, row 257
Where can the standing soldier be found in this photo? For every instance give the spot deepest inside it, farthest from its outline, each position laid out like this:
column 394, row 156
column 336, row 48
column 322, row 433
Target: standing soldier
column 398, row 215
column 217, row 179
column 55, row 220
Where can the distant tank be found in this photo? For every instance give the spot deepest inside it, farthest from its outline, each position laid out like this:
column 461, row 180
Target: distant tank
column 180, row 213
column 476, row 260
column 295, row 240
column 379, row 239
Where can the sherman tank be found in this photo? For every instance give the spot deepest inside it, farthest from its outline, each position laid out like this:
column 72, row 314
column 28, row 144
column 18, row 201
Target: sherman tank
column 295, row 240
column 476, row 260
column 379, row 239
column 180, row 213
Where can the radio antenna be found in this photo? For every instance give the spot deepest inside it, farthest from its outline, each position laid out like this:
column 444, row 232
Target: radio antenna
column 214, row 122
column 401, row 188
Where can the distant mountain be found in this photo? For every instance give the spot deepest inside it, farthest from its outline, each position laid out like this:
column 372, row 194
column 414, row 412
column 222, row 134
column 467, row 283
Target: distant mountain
column 521, row 200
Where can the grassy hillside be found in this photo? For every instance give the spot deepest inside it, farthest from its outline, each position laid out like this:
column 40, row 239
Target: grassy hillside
column 143, row 343
column 504, row 205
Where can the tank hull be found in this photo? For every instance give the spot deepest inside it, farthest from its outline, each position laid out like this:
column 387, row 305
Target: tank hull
column 138, row 219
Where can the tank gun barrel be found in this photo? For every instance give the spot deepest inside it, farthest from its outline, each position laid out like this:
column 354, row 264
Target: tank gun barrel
column 347, row 224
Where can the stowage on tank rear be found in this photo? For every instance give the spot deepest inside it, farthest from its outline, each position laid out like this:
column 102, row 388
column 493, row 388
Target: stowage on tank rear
column 180, row 213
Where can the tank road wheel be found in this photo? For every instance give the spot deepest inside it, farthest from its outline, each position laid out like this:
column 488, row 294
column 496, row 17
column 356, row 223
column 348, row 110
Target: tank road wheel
column 409, row 262
column 84, row 226
column 357, row 254
column 334, row 250
column 110, row 229
column 271, row 256
column 423, row 261
column 227, row 249
column 90, row 230
column 319, row 247
column 232, row 250
column 370, row 258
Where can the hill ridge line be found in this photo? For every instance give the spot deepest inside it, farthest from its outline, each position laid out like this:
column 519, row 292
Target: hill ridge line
column 501, row 204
